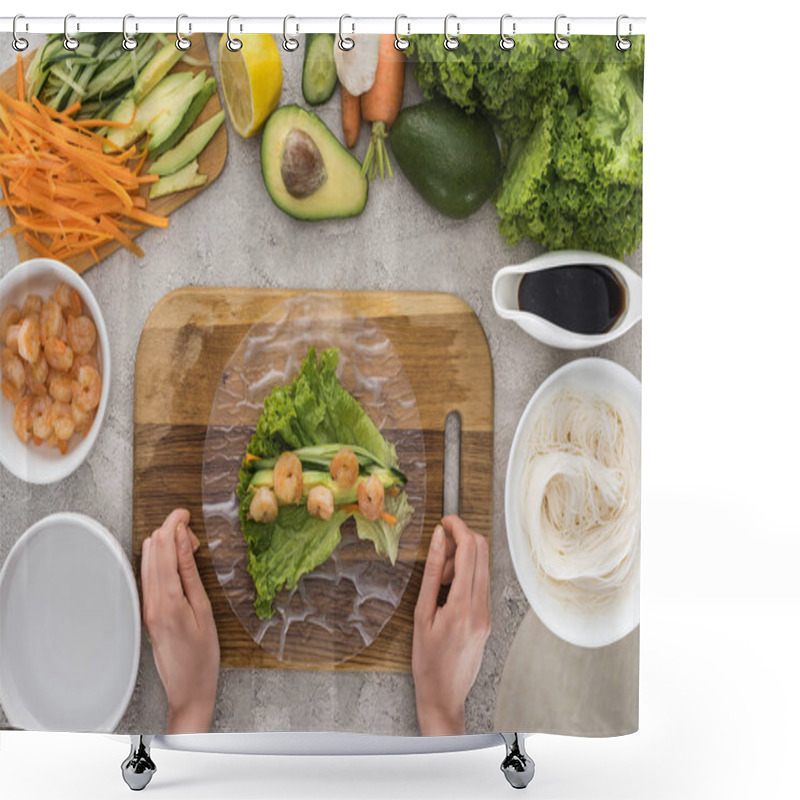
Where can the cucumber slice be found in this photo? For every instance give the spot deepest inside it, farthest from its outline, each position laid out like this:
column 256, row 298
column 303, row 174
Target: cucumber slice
column 319, row 69
column 190, row 148
column 197, row 105
column 186, row 178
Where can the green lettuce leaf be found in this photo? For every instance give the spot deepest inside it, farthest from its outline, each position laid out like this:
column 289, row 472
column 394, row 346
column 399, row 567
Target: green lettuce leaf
column 299, row 543
column 385, row 537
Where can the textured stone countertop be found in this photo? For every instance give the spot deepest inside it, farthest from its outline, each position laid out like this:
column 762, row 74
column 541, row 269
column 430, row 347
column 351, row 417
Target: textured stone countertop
column 233, row 235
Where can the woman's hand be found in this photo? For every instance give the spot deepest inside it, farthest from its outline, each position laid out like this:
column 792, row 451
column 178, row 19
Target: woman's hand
column 178, row 616
column 449, row 639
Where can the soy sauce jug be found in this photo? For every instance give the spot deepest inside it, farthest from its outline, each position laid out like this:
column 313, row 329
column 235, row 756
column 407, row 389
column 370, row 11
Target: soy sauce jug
column 570, row 299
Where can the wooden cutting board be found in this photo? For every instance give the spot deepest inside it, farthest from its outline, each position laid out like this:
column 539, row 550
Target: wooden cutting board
column 189, row 338
column 211, row 160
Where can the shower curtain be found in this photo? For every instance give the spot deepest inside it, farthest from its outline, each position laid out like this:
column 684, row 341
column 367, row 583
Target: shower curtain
column 328, row 482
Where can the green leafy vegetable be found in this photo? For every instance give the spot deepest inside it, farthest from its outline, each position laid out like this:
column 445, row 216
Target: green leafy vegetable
column 308, row 417
column 571, row 125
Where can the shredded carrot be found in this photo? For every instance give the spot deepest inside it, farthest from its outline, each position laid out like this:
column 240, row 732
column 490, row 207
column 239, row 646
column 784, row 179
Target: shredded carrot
column 352, row 508
column 20, row 79
column 66, row 195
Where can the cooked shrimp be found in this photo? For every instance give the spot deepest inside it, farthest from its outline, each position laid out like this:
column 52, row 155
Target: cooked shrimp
column 12, row 338
column 63, row 424
column 32, row 306
column 83, row 419
column 81, row 334
column 320, row 502
column 29, row 341
column 10, row 316
column 69, row 299
column 264, row 506
column 59, row 356
column 86, row 360
column 23, row 421
column 12, row 393
column 86, row 388
column 371, row 497
column 13, row 368
column 288, row 478
column 36, row 375
column 42, row 417
column 60, row 386
column 344, row 468
column 51, row 320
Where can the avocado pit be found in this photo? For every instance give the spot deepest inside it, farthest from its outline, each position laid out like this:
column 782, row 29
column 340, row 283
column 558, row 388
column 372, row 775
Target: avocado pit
column 302, row 166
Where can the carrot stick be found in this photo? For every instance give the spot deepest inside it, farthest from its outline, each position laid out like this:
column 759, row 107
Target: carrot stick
column 351, row 117
column 352, row 508
column 20, row 79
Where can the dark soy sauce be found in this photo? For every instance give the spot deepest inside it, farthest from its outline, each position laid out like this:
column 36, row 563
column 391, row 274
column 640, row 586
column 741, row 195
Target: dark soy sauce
column 582, row 298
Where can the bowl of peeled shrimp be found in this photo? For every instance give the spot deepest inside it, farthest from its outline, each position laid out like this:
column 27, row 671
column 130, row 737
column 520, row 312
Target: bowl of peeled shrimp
column 55, row 370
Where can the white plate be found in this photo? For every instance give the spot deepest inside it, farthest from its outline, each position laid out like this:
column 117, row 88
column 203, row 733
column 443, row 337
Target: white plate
column 70, row 628
column 582, row 627
column 45, row 464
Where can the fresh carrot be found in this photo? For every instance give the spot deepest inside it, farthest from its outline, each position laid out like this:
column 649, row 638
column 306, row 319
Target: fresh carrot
column 381, row 105
column 351, row 117
column 66, row 196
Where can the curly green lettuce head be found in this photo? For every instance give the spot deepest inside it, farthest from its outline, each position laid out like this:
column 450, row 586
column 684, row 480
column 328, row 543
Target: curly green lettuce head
column 571, row 125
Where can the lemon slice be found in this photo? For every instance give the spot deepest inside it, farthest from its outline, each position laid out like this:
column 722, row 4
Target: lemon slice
column 252, row 79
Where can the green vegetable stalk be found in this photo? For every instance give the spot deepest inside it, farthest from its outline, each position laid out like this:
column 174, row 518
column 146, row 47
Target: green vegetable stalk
column 571, row 127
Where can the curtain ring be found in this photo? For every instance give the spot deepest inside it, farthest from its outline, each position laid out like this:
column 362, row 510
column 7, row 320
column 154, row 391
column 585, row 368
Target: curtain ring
column 181, row 42
column 70, row 42
column 128, row 42
column 451, row 42
column 233, row 44
column 623, row 44
column 18, row 43
column 290, row 44
column 345, row 42
column 400, row 42
column 560, row 42
column 506, row 42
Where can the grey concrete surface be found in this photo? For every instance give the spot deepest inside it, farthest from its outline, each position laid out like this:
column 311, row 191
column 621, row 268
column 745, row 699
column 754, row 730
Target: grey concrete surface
column 233, row 235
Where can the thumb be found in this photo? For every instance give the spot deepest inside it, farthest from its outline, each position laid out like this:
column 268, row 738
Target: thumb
column 190, row 577
column 432, row 577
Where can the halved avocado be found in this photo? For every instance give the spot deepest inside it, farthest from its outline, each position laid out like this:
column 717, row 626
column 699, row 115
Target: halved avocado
column 307, row 172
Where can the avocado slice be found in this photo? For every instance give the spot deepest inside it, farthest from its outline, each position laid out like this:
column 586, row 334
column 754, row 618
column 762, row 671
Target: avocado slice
column 306, row 170
column 186, row 178
column 192, row 145
column 197, row 105
column 167, row 122
column 155, row 69
column 163, row 97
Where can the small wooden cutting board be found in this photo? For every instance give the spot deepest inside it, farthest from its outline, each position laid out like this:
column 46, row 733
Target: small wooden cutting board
column 211, row 160
column 189, row 338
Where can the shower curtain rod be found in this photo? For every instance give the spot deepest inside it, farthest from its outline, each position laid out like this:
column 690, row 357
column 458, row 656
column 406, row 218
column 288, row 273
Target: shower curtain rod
column 456, row 25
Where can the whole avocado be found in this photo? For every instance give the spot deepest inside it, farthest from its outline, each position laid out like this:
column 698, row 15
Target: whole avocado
column 451, row 158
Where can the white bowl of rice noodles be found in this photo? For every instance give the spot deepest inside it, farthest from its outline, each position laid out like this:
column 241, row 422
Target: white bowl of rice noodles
column 573, row 498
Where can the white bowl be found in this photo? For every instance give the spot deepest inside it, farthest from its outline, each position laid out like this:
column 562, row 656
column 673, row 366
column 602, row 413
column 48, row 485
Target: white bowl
column 579, row 626
column 505, row 291
column 45, row 464
column 70, row 628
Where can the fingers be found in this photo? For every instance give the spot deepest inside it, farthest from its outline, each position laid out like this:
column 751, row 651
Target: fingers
column 174, row 520
column 148, row 585
column 190, row 577
column 431, row 578
column 449, row 564
column 481, row 596
column 464, row 562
